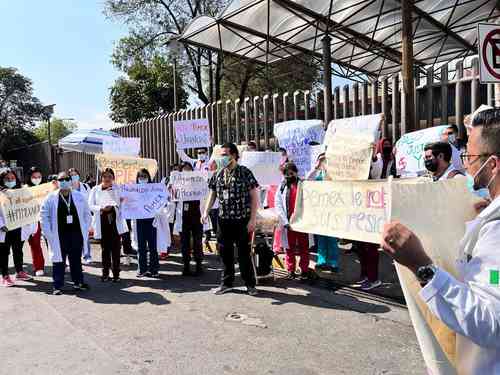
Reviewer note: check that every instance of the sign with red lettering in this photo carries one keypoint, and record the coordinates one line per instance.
(489, 52)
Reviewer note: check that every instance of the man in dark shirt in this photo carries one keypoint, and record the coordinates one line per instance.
(236, 188)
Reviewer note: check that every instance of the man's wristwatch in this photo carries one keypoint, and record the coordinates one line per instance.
(426, 273)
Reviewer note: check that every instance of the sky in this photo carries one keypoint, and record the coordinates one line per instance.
(64, 47)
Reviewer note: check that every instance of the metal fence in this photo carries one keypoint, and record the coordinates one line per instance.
(443, 96)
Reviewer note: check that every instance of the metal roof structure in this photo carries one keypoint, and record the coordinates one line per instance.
(365, 34)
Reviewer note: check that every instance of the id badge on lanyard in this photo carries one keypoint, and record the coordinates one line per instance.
(69, 219)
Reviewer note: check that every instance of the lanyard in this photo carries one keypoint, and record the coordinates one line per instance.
(67, 202)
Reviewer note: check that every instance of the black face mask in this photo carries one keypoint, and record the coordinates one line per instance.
(387, 151)
(431, 165)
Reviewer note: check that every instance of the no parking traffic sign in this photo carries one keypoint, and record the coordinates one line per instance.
(489, 52)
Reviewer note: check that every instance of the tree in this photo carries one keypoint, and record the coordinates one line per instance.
(152, 24)
(146, 92)
(58, 129)
(19, 109)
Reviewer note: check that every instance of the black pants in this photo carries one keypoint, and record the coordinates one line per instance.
(110, 246)
(127, 240)
(231, 232)
(71, 248)
(214, 218)
(191, 228)
(12, 240)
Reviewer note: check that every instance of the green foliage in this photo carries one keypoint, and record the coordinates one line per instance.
(58, 129)
(19, 109)
(147, 91)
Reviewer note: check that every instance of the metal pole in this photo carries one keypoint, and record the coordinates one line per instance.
(49, 138)
(210, 77)
(407, 67)
(327, 77)
(175, 85)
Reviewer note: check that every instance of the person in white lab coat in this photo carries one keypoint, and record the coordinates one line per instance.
(65, 222)
(469, 304)
(12, 238)
(108, 223)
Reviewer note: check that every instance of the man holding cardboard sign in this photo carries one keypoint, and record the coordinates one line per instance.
(469, 304)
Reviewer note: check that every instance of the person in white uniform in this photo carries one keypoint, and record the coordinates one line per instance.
(437, 159)
(469, 304)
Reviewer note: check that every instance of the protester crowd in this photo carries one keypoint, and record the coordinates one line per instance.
(468, 303)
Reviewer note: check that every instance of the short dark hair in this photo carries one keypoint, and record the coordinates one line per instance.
(202, 149)
(252, 143)
(233, 150)
(143, 171)
(489, 120)
(440, 148)
(186, 164)
(453, 127)
(281, 149)
(108, 171)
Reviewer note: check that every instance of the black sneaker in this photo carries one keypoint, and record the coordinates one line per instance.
(116, 279)
(104, 279)
(155, 275)
(142, 275)
(57, 292)
(81, 286)
(222, 289)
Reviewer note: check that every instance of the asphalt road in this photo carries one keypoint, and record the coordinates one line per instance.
(177, 326)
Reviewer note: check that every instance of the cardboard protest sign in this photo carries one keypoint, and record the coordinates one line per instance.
(21, 207)
(410, 150)
(264, 165)
(295, 136)
(142, 201)
(355, 210)
(189, 186)
(125, 167)
(315, 152)
(121, 146)
(349, 156)
(443, 209)
(368, 125)
(192, 133)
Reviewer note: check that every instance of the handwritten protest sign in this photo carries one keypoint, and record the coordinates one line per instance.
(192, 133)
(368, 125)
(443, 209)
(121, 146)
(349, 156)
(264, 165)
(410, 150)
(189, 186)
(295, 136)
(142, 201)
(22, 206)
(315, 152)
(355, 210)
(125, 167)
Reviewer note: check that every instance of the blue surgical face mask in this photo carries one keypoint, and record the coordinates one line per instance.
(143, 181)
(481, 193)
(224, 161)
(75, 178)
(10, 184)
(64, 185)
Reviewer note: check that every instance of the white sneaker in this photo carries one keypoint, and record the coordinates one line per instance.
(87, 261)
(126, 261)
(39, 273)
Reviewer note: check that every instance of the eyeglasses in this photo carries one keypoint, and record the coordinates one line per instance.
(466, 157)
(64, 179)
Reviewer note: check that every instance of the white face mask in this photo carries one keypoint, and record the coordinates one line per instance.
(10, 184)
(143, 181)
(36, 181)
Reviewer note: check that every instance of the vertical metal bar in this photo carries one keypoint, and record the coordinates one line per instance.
(256, 120)
(364, 99)
(444, 94)
(285, 106)
(327, 76)
(396, 102)
(237, 117)
(228, 120)
(474, 86)
(374, 97)
(275, 117)
(265, 103)
(219, 121)
(246, 111)
(307, 103)
(430, 98)
(355, 100)
(459, 100)
(346, 102)
(385, 108)
(296, 104)
(317, 98)
(336, 102)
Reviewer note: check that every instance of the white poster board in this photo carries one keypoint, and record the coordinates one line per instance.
(410, 150)
(264, 165)
(189, 186)
(295, 136)
(192, 133)
(349, 156)
(121, 146)
(142, 201)
(368, 125)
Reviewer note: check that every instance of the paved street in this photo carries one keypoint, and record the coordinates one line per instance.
(177, 326)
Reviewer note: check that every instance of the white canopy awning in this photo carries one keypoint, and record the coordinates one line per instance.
(365, 34)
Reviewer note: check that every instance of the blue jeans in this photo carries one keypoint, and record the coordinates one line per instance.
(328, 251)
(146, 240)
(71, 248)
